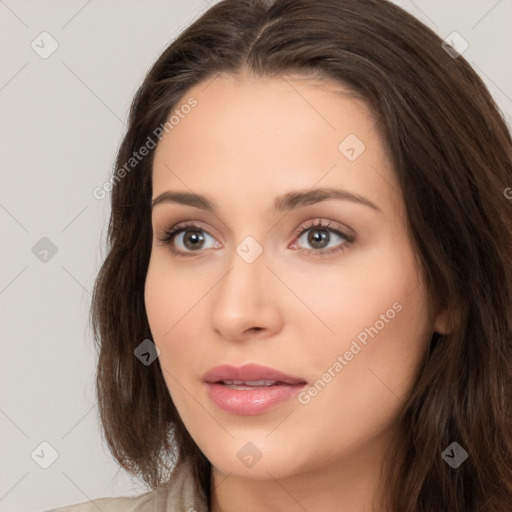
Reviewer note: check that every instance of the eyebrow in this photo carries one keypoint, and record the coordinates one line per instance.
(284, 203)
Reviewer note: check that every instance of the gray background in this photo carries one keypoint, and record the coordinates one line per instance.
(62, 120)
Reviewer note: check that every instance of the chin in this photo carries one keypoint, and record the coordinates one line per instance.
(259, 460)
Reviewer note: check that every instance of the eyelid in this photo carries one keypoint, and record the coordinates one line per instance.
(186, 224)
(176, 229)
(328, 225)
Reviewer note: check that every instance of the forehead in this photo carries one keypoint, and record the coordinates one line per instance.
(256, 135)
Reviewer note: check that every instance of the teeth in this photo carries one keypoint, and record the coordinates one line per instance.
(250, 382)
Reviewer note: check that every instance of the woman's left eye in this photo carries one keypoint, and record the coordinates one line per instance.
(323, 238)
(320, 238)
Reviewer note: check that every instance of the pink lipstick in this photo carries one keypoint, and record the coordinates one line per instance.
(250, 389)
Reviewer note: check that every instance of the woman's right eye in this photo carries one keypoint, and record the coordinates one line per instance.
(190, 238)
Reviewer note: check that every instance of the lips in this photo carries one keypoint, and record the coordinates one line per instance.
(250, 374)
(250, 389)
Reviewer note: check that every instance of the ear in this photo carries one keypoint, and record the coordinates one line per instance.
(442, 322)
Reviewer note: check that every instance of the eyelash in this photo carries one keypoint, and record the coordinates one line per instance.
(304, 228)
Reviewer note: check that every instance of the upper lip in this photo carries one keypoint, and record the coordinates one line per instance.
(248, 372)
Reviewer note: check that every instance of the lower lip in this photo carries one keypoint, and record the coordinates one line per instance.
(251, 401)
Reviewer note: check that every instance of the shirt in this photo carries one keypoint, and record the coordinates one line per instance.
(177, 495)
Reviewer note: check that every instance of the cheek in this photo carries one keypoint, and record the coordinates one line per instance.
(382, 327)
(366, 292)
(169, 294)
(173, 300)
(157, 300)
(375, 306)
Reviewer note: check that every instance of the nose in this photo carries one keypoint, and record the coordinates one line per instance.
(246, 301)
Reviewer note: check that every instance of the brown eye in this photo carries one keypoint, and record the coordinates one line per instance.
(192, 239)
(318, 238)
(188, 239)
(322, 239)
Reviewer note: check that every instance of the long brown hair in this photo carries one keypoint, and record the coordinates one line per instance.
(452, 155)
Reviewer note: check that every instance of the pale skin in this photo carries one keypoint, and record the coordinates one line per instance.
(248, 141)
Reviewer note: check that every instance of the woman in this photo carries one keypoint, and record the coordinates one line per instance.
(306, 303)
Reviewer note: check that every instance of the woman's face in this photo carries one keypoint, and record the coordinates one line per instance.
(341, 307)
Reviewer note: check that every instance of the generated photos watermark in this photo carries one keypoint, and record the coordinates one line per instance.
(343, 360)
(143, 151)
